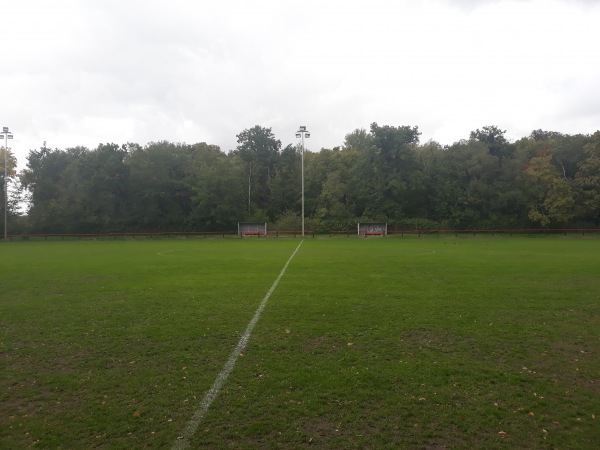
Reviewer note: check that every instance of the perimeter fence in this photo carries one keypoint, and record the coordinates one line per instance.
(298, 233)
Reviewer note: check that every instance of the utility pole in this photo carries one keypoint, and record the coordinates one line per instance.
(7, 135)
(302, 133)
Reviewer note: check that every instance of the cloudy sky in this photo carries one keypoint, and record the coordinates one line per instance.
(77, 72)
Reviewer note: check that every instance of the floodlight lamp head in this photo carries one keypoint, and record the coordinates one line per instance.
(298, 135)
(302, 128)
(307, 134)
(5, 129)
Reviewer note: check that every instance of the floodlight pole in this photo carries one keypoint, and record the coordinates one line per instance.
(7, 135)
(302, 133)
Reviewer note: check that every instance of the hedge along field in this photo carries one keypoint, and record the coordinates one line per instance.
(365, 343)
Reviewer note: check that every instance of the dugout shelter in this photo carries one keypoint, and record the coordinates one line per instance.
(372, 229)
(252, 229)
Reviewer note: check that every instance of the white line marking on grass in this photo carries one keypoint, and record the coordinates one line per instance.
(183, 441)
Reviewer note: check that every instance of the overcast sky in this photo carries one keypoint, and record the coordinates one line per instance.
(75, 72)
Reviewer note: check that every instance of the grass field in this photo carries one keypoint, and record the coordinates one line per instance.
(431, 343)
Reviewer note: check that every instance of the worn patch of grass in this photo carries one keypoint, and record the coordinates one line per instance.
(366, 343)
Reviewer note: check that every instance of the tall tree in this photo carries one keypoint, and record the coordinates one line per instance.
(333, 202)
(554, 203)
(395, 161)
(160, 187)
(587, 181)
(258, 150)
(464, 184)
(9, 198)
(218, 187)
(365, 177)
(44, 178)
(104, 184)
(287, 183)
(394, 143)
(496, 143)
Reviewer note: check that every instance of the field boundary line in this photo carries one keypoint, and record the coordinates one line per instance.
(183, 441)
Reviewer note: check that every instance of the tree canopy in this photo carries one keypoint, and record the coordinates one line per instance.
(546, 179)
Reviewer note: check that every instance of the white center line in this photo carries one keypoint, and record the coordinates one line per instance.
(183, 441)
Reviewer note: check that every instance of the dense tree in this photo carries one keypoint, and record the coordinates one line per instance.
(15, 200)
(286, 184)
(218, 190)
(161, 190)
(385, 162)
(494, 140)
(6, 155)
(366, 180)
(588, 181)
(466, 185)
(258, 150)
(383, 174)
(394, 143)
(49, 209)
(554, 202)
(104, 185)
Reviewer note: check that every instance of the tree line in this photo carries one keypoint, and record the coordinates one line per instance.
(384, 174)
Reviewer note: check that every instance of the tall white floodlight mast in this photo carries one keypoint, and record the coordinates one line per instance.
(302, 133)
(7, 135)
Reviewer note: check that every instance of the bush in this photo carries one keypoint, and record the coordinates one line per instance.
(288, 221)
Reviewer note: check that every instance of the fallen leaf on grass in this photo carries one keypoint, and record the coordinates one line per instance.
(137, 414)
(288, 331)
(502, 433)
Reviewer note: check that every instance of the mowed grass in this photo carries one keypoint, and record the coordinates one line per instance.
(366, 343)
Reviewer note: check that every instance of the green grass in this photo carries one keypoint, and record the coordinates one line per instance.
(366, 343)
